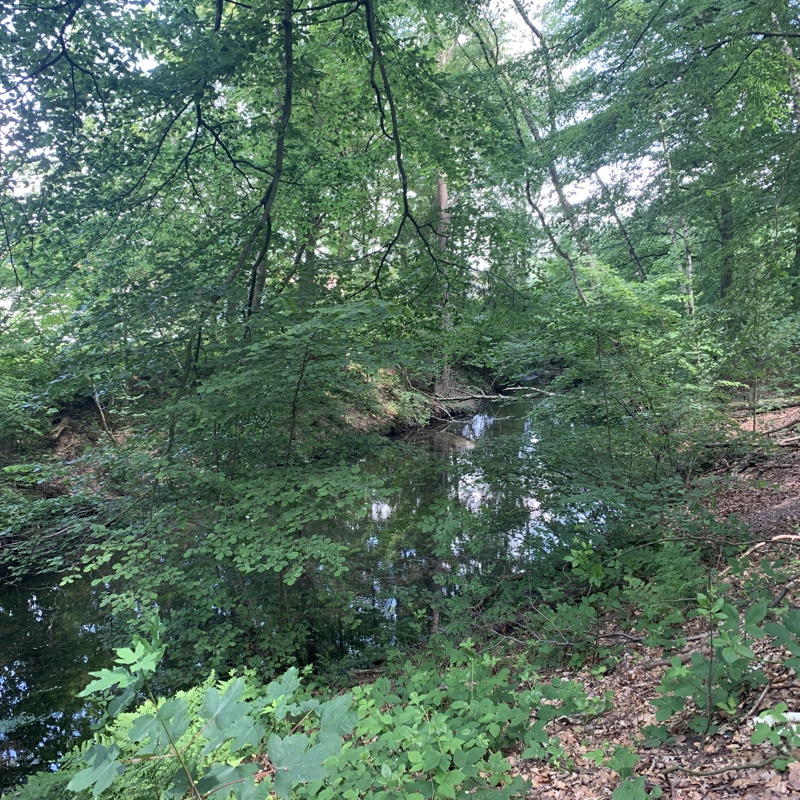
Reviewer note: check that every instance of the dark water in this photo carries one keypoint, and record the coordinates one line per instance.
(48, 643)
(459, 502)
(50, 637)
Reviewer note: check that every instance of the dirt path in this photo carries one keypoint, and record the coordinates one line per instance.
(766, 493)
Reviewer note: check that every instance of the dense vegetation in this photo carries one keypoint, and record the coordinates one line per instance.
(243, 241)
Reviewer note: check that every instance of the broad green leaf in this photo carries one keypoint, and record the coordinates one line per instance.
(295, 762)
(755, 614)
(104, 770)
(791, 619)
(225, 775)
(630, 789)
(337, 717)
(286, 686)
(106, 679)
(243, 733)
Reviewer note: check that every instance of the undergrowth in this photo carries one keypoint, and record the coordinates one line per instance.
(444, 723)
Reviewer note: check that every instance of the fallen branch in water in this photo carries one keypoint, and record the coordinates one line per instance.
(465, 397)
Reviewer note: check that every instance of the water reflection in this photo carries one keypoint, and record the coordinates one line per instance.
(48, 644)
(458, 501)
(479, 479)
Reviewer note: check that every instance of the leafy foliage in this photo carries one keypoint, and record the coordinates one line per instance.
(713, 683)
(430, 733)
(239, 241)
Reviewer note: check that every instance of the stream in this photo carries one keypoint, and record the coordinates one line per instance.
(51, 636)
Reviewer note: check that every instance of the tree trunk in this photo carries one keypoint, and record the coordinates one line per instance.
(794, 76)
(444, 383)
(688, 268)
(726, 233)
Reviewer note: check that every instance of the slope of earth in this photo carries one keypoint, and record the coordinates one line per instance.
(763, 490)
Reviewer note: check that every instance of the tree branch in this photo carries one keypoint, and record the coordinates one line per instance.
(267, 202)
(556, 246)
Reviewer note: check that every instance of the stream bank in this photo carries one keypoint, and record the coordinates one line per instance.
(53, 636)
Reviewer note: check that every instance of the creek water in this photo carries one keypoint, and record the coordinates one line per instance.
(52, 636)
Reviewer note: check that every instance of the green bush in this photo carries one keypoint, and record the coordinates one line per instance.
(429, 732)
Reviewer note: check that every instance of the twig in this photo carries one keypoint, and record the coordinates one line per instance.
(683, 657)
(786, 685)
(461, 398)
(791, 424)
(530, 389)
(754, 708)
(778, 599)
(620, 634)
(703, 773)
(103, 420)
(750, 551)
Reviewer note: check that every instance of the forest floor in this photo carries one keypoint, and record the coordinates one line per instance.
(763, 490)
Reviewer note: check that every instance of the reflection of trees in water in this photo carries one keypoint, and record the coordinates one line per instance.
(450, 509)
(49, 646)
(447, 508)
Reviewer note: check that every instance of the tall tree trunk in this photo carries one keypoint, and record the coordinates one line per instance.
(443, 204)
(793, 76)
(443, 386)
(726, 234)
(622, 229)
(307, 264)
(688, 262)
(444, 383)
(687, 286)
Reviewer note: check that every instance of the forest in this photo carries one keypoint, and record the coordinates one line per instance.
(399, 399)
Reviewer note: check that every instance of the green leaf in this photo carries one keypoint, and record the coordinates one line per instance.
(791, 619)
(430, 759)
(143, 728)
(122, 700)
(295, 762)
(245, 732)
(336, 717)
(630, 789)
(224, 710)
(445, 790)
(222, 775)
(104, 770)
(108, 678)
(761, 733)
(755, 613)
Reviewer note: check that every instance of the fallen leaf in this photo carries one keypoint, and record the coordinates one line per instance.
(793, 776)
